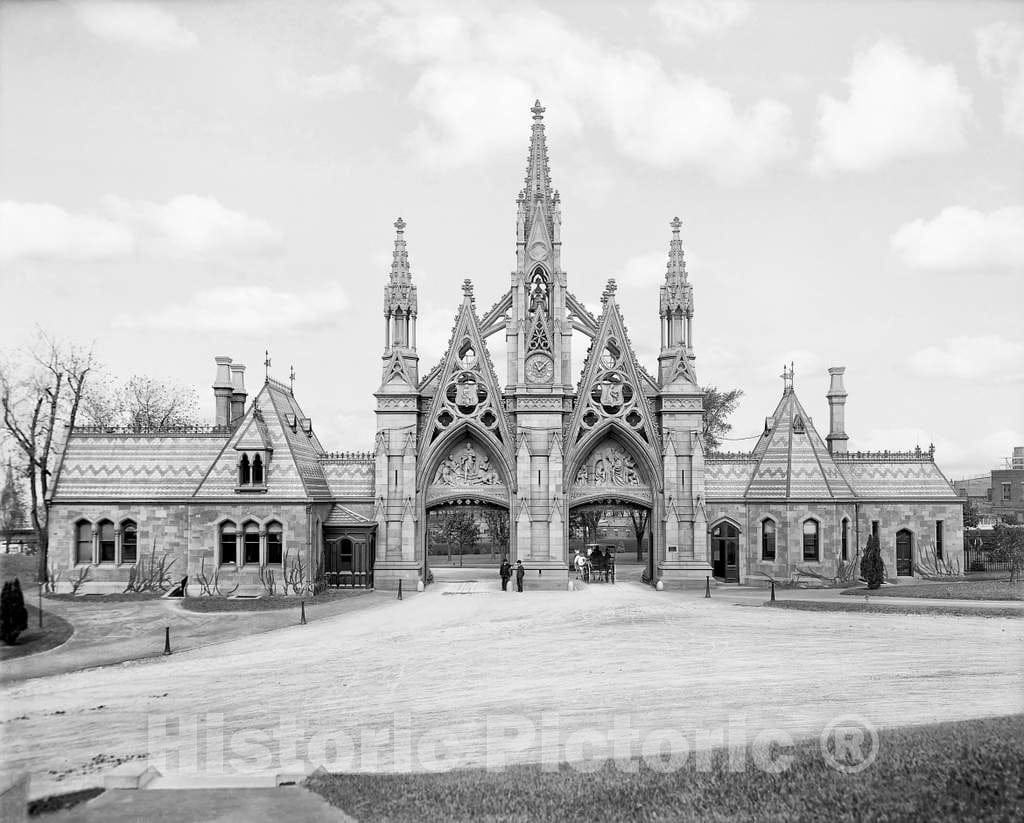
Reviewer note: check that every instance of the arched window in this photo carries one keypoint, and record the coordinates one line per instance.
(228, 543)
(107, 542)
(244, 472)
(257, 471)
(811, 540)
(129, 542)
(845, 537)
(251, 544)
(767, 539)
(275, 543)
(83, 542)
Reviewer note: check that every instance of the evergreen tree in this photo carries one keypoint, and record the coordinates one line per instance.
(12, 508)
(872, 568)
(13, 614)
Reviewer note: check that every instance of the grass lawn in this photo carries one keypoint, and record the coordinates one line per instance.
(875, 607)
(204, 605)
(952, 590)
(950, 771)
(22, 566)
(54, 632)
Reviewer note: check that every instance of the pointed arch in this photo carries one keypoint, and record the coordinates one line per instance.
(466, 431)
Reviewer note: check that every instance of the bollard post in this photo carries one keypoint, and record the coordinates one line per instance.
(707, 586)
(773, 591)
(167, 640)
(302, 607)
(399, 588)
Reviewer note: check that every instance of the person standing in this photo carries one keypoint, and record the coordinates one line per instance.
(506, 573)
(520, 574)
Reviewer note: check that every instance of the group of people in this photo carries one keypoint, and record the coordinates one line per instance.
(593, 564)
(505, 572)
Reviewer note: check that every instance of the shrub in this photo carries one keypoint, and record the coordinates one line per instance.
(872, 569)
(13, 614)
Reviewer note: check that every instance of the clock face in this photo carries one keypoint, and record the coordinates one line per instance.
(539, 369)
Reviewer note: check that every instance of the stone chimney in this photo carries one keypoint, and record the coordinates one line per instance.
(222, 390)
(238, 394)
(836, 396)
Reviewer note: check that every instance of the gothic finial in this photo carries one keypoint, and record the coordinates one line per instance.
(676, 225)
(266, 364)
(291, 379)
(400, 225)
(467, 288)
(538, 111)
(787, 377)
(611, 287)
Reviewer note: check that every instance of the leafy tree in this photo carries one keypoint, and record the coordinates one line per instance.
(1009, 541)
(141, 403)
(38, 399)
(585, 522)
(460, 529)
(872, 567)
(498, 526)
(12, 507)
(718, 406)
(13, 614)
(639, 518)
(970, 514)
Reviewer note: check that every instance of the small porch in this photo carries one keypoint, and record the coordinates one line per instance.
(350, 548)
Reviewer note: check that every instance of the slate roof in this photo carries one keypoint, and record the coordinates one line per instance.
(349, 477)
(350, 515)
(199, 463)
(791, 462)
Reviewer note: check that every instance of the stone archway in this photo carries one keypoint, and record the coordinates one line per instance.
(614, 484)
(465, 482)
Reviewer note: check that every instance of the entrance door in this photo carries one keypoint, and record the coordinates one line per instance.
(348, 563)
(725, 550)
(904, 553)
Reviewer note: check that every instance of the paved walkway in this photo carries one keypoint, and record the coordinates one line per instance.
(466, 675)
(111, 633)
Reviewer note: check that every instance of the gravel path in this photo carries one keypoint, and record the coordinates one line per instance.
(465, 675)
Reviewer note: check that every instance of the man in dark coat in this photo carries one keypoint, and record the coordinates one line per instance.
(520, 574)
(506, 574)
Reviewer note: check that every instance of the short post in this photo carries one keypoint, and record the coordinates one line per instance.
(302, 612)
(773, 591)
(167, 640)
(707, 586)
(399, 588)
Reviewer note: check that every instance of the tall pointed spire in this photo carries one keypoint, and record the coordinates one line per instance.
(400, 309)
(676, 293)
(400, 293)
(537, 201)
(676, 312)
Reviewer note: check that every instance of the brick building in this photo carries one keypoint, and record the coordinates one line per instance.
(257, 491)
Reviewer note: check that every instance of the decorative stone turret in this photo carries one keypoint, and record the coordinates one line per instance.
(222, 391)
(676, 309)
(400, 310)
(836, 396)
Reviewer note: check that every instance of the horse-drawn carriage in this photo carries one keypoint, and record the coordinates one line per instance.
(597, 565)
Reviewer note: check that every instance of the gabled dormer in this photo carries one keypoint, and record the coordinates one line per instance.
(254, 450)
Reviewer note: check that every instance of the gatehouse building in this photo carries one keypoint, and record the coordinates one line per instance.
(257, 497)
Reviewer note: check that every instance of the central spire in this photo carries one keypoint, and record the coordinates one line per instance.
(538, 175)
(538, 203)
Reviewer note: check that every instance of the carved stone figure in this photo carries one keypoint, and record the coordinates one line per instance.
(466, 469)
(608, 466)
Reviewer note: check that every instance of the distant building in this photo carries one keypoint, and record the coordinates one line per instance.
(1008, 490)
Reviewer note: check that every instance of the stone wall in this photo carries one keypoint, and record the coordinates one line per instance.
(186, 533)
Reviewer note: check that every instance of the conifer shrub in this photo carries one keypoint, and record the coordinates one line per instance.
(13, 614)
(872, 568)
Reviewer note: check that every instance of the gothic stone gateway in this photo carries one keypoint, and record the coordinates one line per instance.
(258, 491)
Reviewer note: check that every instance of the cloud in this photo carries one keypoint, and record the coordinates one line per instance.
(479, 68)
(187, 226)
(191, 225)
(244, 310)
(962, 239)
(42, 231)
(688, 20)
(644, 270)
(986, 358)
(347, 80)
(136, 23)
(1001, 58)
(898, 107)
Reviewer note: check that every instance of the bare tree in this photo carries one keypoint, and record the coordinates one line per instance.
(141, 403)
(460, 529)
(12, 507)
(639, 518)
(38, 401)
(718, 405)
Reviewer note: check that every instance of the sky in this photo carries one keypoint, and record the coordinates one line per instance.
(183, 180)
